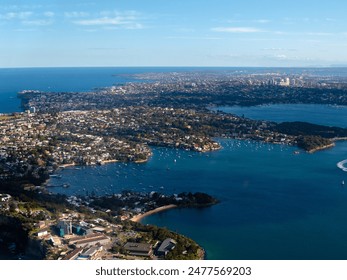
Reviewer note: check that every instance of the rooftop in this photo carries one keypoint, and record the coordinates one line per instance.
(167, 245)
(137, 247)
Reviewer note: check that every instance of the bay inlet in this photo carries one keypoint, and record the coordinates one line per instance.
(275, 204)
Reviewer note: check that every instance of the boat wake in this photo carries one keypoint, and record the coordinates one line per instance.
(342, 164)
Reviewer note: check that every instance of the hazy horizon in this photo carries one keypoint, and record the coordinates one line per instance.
(188, 66)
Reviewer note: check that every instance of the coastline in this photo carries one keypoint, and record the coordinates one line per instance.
(67, 165)
(340, 139)
(98, 163)
(139, 217)
(109, 161)
(141, 161)
(321, 148)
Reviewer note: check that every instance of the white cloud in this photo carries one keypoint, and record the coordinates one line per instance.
(279, 49)
(237, 29)
(117, 13)
(192, 38)
(103, 21)
(15, 15)
(48, 14)
(28, 18)
(113, 20)
(264, 60)
(124, 26)
(262, 20)
(76, 14)
(280, 56)
(319, 34)
(37, 22)
(135, 26)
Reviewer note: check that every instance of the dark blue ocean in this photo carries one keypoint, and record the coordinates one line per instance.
(15, 80)
(275, 204)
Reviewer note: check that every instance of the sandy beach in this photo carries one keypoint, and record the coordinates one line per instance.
(67, 165)
(321, 148)
(109, 161)
(139, 217)
(141, 161)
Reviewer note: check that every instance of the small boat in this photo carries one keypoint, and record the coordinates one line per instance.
(343, 183)
(55, 176)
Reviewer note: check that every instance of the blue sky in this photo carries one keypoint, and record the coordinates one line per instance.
(40, 33)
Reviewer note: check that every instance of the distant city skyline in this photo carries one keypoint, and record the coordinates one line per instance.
(268, 33)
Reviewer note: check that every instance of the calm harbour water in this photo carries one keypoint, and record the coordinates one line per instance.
(313, 113)
(274, 204)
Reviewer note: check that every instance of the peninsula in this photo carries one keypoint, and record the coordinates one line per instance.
(34, 145)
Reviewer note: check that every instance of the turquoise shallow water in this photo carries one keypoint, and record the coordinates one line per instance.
(274, 204)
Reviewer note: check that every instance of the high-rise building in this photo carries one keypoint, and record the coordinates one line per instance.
(285, 82)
